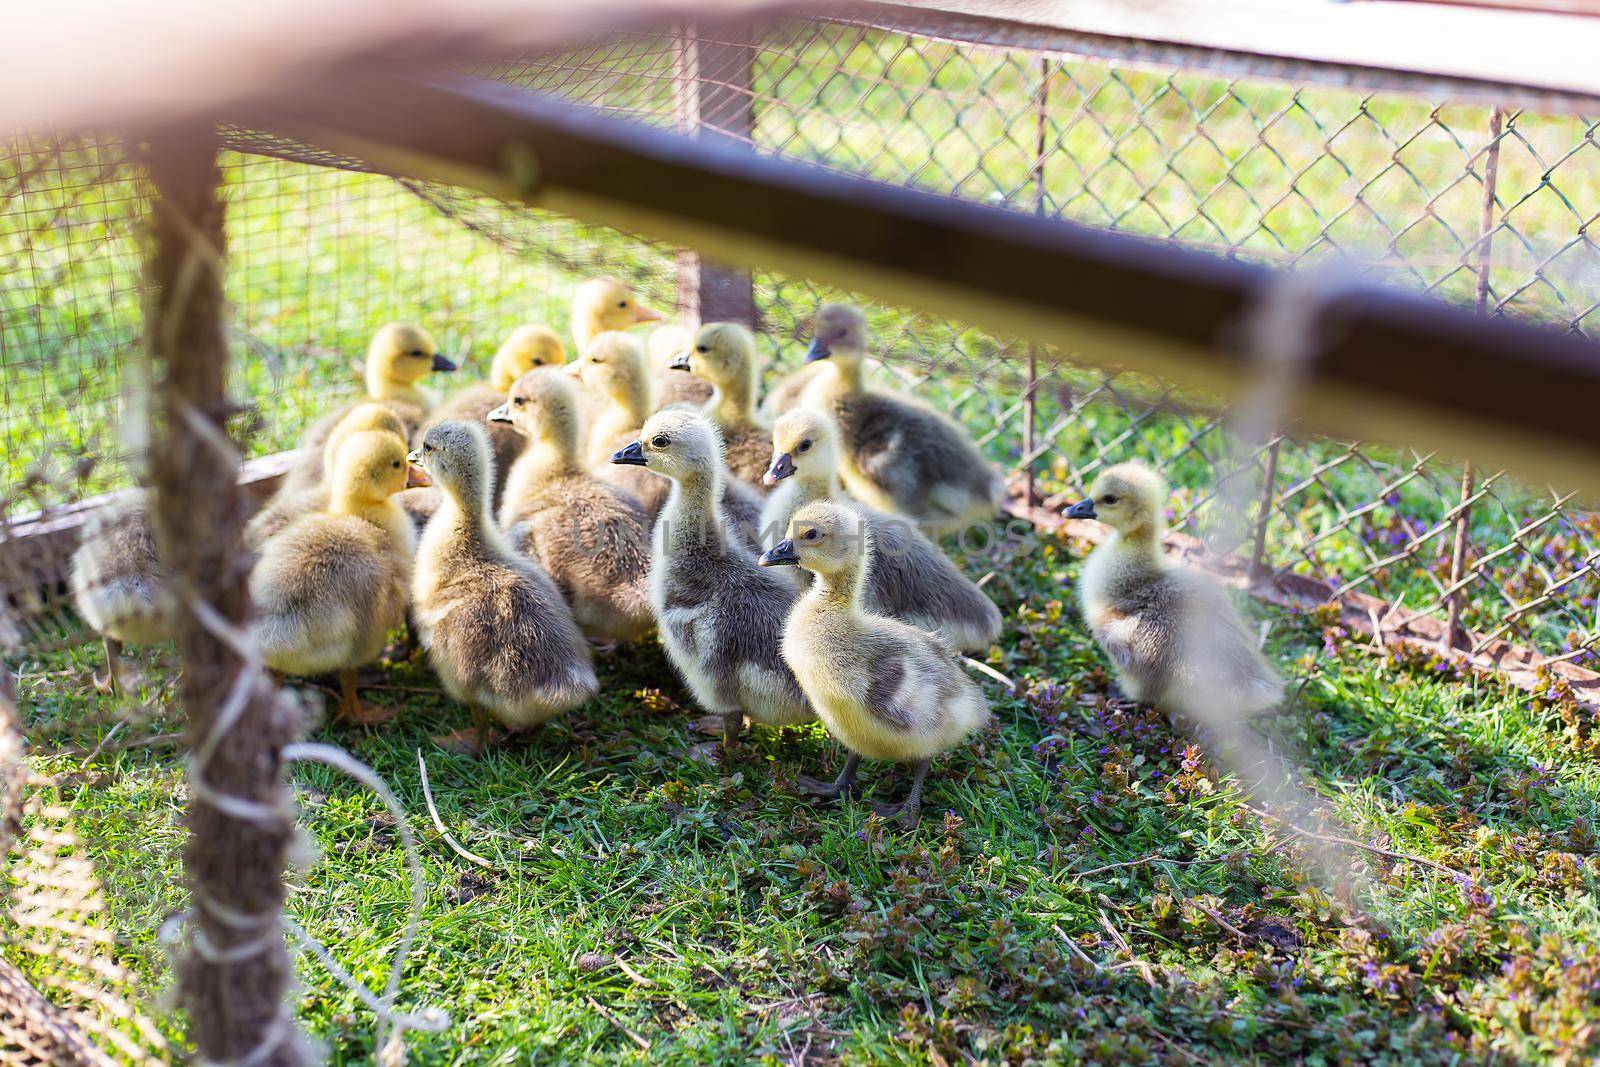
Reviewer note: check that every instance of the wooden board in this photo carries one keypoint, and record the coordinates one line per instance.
(1438, 49)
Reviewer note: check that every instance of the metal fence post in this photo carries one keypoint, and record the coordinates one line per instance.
(713, 80)
(236, 971)
(1030, 410)
(1455, 634)
(1269, 477)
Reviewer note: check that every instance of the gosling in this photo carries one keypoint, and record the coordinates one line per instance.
(1174, 638)
(720, 616)
(293, 500)
(330, 586)
(615, 364)
(119, 584)
(524, 349)
(399, 357)
(593, 538)
(493, 624)
(884, 689)
(910, 579)
(724, 354)
(899, 454)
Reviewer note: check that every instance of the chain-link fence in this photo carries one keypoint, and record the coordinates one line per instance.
(1484, 206)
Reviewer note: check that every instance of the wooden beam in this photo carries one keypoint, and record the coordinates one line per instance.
(1445, 50)
(1383, 363)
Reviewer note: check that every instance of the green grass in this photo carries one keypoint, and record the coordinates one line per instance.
(761, 925)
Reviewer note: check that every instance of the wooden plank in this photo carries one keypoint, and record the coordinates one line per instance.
(1382, 363)
(1524, 57)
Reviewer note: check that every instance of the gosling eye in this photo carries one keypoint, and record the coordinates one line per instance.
(702, 349)
(805, 446)
(660, 440)
(812, 535)
(518, 401)
(395, 464)
(426, 447)
(1109, 499)
(622, 303)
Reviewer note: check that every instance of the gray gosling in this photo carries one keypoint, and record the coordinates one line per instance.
(720, 615)
(526, 348)
(884, 689)
(494, 625)
(399, 357)
(910, 578)
(1174, 638)
(615, 364)
(119, 584)
(899, 454)
(724, 354)
(330, 586)
(592, 537)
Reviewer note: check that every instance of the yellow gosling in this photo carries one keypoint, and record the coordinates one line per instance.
(884, 689)
(330, 586)
(1174, 638)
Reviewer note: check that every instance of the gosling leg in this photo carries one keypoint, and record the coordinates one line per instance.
(111, 681)
(909, 811)
(351, 711)
(471, 742)
(732, 727)
(841, 786)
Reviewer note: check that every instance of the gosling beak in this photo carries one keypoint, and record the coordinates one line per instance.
(782, 467)
(680, 361)
(781, 554)
(645, 313)
(443, 363)
(500, 414)
(416, 477)
(574, 368)
(819, 350)
(1083, 509)
(633, 455)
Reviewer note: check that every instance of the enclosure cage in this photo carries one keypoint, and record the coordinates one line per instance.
(1426, 182)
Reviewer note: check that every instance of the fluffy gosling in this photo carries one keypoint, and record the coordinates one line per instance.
(910, 578)
(720, 615)
(884, 689)
(899, 454)
(493, 624)
(724, 354)
(119, 584)
(593, 538)
(1174, 638)
(330, 586)
(399, 357)
(524, 349)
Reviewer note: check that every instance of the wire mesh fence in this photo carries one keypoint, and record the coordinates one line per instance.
(1480, 205)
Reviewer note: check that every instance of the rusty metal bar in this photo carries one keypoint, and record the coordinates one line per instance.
(1454, 632)
(1392, 365)
(235, 976)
